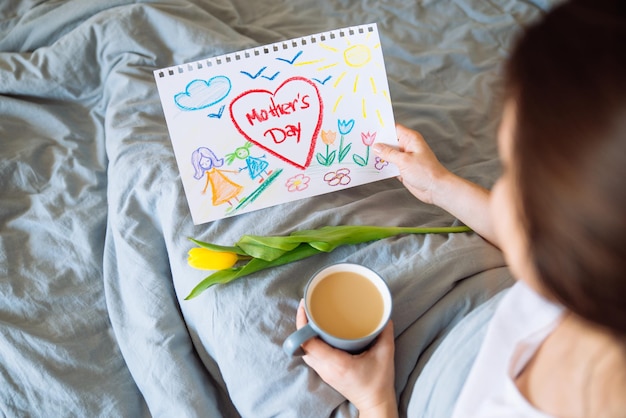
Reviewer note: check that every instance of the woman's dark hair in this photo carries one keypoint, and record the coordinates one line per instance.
(567, 78)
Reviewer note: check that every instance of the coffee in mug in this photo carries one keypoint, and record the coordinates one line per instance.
(347, 306)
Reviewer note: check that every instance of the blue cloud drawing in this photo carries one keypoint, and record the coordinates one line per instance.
(200, 94)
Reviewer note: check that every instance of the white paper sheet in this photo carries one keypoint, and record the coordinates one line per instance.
(279, 122)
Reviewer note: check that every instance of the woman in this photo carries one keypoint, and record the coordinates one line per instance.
(223, 189)
(556, 345)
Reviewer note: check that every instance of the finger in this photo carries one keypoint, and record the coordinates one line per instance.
(317, 348)
(408, 139)
(405, 135)
(403, 130)
(383, 347)
(301, 319)
(314, 347)
(318, 354)
(386, 338)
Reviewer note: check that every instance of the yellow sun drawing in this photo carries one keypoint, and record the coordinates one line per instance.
(353, 74)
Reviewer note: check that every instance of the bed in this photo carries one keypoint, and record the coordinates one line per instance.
(94, 224)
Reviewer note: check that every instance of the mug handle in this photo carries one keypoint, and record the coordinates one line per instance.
(292, 344)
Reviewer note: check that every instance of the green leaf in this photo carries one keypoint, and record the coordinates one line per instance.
(298, 253)
(222, 276)
(331, 157)
(266, 248)
(320, 158)
(219, 248)
(328, 238)
(359, 160)
(344, 151)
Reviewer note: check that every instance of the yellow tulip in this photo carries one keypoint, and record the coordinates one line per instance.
(205, 259)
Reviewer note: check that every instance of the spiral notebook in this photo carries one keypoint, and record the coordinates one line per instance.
(279, 122)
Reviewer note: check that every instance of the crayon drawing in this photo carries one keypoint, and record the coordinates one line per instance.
(291, 60)
(354, 73)
(279, 122)
(284, 122)
(257, 166)
(206, 164)
(368, 140)
(297, 183)
(339, 177)
(200, 94)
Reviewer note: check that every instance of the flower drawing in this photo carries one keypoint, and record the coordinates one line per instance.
(339, 177)
(379, 164)
(368, 139)
(328, 138)
(344, 127)
(297, 183)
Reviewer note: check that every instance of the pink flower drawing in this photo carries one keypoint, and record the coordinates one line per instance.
(297, 183)
(368, 138)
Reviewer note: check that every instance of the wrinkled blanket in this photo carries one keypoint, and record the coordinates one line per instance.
(94, 222)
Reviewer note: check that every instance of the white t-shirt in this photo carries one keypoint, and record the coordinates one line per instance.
(520, 324)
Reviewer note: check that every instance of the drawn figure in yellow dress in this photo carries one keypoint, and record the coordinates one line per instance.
(223, 189)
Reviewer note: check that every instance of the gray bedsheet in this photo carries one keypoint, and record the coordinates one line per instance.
(94, 223)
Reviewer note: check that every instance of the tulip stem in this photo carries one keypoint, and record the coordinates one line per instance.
(343, 151)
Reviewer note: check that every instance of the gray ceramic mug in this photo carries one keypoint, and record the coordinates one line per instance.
(347, 306)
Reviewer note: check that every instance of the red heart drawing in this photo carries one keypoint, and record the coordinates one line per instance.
(285, 123)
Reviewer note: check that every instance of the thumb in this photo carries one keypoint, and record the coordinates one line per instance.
(301, 319)
(386, 152)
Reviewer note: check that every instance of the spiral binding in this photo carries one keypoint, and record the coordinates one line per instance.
(265, 49)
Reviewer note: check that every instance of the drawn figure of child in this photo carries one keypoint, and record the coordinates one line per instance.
(257, 167)
(223, 189)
